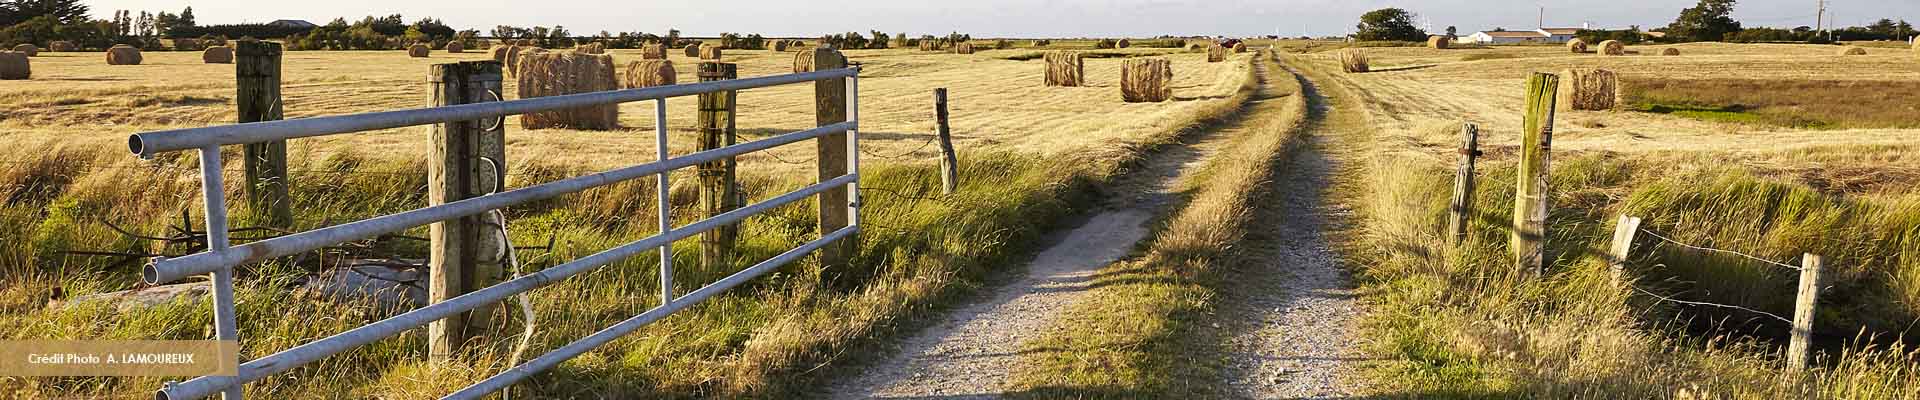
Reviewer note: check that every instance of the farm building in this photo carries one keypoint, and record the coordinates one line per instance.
(1542, 35)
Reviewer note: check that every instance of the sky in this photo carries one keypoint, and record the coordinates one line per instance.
(1013, 18)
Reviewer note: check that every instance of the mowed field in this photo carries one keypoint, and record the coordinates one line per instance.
(1030, 157)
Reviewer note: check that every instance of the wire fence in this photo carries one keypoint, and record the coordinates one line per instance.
(1670, 299)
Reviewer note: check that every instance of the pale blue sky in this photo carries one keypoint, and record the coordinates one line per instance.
(990, 18)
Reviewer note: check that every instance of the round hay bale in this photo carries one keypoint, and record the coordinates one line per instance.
(27, 49)
(693, 50)
(1916, 47)
(1065, 68)
(649, 73)
(1576, 45)
(963, 48)
(213, 41)
(1146, 80)
(122, 54)
(513, 57)
(1853, 51)
(15, 66)
(1613, 48)
(559, 73)
(709, 52)
(592, 48)
(1042, 43)
(1590, 89)
(1439, 42)
(779, 46)
(803, 60)
(217, 55)
(1240, 47)
(456, 47)
(1353, 61)
(417, 51)
(62, 46)
(1216, 53)
(654, 51)
(1195, 48)
(187, 45)
(499, 53)
(1123, 43)
(1669, 51)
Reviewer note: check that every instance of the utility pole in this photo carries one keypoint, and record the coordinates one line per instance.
(1820, 18)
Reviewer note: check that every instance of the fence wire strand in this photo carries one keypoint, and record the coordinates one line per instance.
(1700, 303)
(1678, 243)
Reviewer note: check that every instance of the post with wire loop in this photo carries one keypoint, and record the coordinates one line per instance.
(1530, 191)
(719, 192)
(838, 154)
(1624, 231)
(949, 164)
(1462, 208)
(257, 82)
(1800, 348)
(468, 160)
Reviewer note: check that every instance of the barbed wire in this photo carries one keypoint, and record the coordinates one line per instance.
(1702, 303)
(909, 153)
(1678, 243)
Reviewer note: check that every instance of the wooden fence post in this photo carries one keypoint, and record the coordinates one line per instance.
(257, 76)
(1624, 231)
(1800, 349)
(830, 107)
(949, 164)
(1530, 192)
(1462, 208)
(468, 160)
(718, 193)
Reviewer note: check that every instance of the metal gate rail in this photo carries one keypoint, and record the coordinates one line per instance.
(221, 257)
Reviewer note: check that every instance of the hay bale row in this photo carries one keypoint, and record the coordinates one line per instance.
(1613, 48)
(63, 46)
(929, 45)
(27, 49)
(692, 50)
(122, 54)
(709, 52)
(15, 66)
(1439, 42)
(1853, 51)
(1577, 46)
(1146, 80)
(592, 48)
(1591, 89)
(649, 73)
(963, 48)
(1353, 61)
(1065, 68)
(217, 55)
(558, 73)
(455, 47)
(653, 52)
(418, 50)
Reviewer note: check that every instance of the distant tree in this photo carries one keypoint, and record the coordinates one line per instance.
(1388, 24)
(1453, 32)
(186, 18)
(61, 12)
(1711, 20)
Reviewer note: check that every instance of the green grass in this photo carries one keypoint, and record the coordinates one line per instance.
(1809, 104)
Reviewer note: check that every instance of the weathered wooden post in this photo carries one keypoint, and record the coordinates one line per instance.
(830, 107)
(257, 77)
(1462, 208)
(949, 164)
(1530, 191)
(1624, 231)
(1800, 349)
(468, 160)
(718, 193)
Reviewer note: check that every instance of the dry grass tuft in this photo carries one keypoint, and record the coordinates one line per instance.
(1670, 51)
(418, 50)
(1613, 48)
(217, 55)
(1146, 80)
(1577, 46)
(122, 54)
(1591, 89)
(709, 52)
(62, 46)
(15, 66)
(455, 47)
(1216, 53)
(1853, 51)
(1065, 68)
(649, 73)
(561, 73)
(1353, 61)
(1439, 42)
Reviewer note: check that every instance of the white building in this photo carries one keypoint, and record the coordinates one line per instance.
(1542, 35)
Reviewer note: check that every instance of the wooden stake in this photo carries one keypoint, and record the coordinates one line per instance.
(1624, 231)
(718, 191)
(1800, 349)
(1530, 191)
(830, 107)
(468, 160)
(257, 77)
(949, 164)
(1462, 208)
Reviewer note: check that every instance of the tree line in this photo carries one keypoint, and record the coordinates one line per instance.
(1706, 21)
